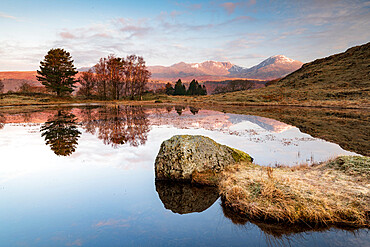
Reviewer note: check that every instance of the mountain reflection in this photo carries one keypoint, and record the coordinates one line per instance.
(184, 198)
(61, 133)
(117, 125)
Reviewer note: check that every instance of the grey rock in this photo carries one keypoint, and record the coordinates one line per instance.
(182, 155)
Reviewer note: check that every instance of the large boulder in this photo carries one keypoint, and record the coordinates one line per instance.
(183, 156)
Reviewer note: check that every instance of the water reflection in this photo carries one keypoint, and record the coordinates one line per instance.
(271, 142)
(184, 198)
(179, 109)
(61, 133)
(194, 110)
(117, 125)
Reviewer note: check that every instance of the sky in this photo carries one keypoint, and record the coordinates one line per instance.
(166, 32)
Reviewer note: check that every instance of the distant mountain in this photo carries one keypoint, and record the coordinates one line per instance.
(83, 69)
(180, 70)
(274, 67)
(14, 79)
(271, 68)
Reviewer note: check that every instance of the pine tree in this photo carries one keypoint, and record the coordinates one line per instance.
(179, 88)
(57, 72)
(169, 89)
(192, 90)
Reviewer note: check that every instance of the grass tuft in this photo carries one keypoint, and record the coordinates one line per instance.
(335, 192)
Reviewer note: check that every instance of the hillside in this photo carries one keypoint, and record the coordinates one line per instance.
(347, 70)
(14, 79)
(341, 79)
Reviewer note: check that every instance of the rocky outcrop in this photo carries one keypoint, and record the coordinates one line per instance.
(182, 156)
(185, 198)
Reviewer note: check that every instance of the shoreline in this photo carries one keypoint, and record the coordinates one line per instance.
(17, 99)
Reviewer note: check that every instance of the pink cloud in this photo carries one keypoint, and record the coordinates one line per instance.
(229, 7)
(67, 35)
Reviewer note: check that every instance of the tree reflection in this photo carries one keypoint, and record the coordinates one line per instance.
(117, 125)
(194, 110)
(179, 109)
(61, 133)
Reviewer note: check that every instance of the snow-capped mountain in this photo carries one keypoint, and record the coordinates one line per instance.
(178, 70)
(271, 68)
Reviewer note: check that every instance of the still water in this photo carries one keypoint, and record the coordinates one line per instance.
(84, 176)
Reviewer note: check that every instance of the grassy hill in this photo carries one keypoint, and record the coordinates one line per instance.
(339, 80)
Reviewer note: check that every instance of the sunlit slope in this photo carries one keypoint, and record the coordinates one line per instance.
(328, 81)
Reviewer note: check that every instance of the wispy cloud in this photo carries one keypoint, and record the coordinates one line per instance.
(113, 222)
(3, 15)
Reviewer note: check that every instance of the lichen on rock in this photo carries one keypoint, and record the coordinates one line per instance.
(183, 155)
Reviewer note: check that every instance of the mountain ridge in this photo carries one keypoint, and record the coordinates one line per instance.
(271, 68)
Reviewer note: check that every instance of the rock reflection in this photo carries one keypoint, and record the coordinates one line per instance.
(184, 198)
(117, 125)
(61, 133)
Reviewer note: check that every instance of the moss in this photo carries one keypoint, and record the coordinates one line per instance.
(240, 156)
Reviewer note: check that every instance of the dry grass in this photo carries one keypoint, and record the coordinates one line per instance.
(323, 194)
(28, 99)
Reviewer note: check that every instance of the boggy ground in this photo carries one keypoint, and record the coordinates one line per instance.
(336, 192)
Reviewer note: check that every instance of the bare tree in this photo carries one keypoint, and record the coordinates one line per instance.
(115, 69)
(101, 70)
(136, 75)
(88, 83)
(121, 77)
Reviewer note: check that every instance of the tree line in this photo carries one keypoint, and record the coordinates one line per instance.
(194, 88)
(112, 78)
(233, 86)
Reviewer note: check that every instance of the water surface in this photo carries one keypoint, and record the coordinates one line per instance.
(84, 176)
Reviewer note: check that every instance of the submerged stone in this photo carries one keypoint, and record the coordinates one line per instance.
(183, 155)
